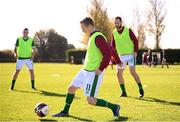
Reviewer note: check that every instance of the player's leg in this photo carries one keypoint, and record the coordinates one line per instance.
(162, 63)
(69, 99)
(32, 79)
(167, 64)
(132, 64)
(103, 103)
(19, 65)
(30, 66)
(15, 75)
(137, 79)
(121, 82)
(75, 85)
(120, 71)
(91, 91)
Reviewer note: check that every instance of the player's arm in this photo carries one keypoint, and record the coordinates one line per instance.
(15, 52)
(15, 49)
(114, 52)
(33, 51)
(135, 41)
(106, 52)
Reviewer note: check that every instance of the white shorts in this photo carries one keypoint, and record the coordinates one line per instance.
(21, 62)
(89, 81)
(127, 59)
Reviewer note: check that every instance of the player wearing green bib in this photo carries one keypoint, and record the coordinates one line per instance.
(24, 52)
(125, 44)
(90, 76)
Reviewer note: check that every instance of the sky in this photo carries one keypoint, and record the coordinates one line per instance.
(64, 16)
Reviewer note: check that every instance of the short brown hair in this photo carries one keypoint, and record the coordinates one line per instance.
(87, 21)
(119, 18)
(25, 29)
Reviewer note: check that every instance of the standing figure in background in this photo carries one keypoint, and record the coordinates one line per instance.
(24, 53)
(164, 59)
(125, 45)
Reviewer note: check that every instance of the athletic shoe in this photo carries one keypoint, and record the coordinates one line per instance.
(11, 89)
(61, 114)
(33, 88)
(124, 94)
(141, 93)
(116, 111)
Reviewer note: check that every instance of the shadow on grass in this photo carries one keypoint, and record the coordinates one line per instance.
(48, 120)
(151, 99)
(36, 92)
(80, 119)
(44, 93)
(121, 118)
(47, 93)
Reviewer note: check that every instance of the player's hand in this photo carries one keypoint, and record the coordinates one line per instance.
(135, 54)
(120, 64)
(15, 57)
(32, 58)
(98, 71)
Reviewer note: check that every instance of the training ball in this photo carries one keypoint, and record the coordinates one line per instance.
(41, 109)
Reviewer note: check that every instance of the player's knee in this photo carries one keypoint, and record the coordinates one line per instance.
(31, 71)
(71, 89)
(91, 100)
(119, 72)
(132, 71)
(16, 72)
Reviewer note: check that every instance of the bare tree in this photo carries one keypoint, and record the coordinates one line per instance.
(100, 17)
(138, 27)
(155, 17)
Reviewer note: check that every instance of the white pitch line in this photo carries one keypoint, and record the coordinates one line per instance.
(55, 75)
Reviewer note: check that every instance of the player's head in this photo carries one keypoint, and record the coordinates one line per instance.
(25, 32)
(87, 25)
(118, 22)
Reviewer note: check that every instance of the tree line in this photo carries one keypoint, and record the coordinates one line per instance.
(153, 24)
(51, 46)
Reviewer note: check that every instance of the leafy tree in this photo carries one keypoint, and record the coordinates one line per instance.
(51, 45)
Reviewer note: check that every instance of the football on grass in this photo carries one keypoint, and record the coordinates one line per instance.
(41, 109)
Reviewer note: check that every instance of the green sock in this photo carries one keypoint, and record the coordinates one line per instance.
(140, 85)
(123, 88)
(69, 99)
(12, 84)
(32, 83)
(104, 103)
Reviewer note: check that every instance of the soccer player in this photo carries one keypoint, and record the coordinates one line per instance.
(163, 60)
(24, 53)
(149, 57)
(90, 76)
(145, 59)
(125, 45)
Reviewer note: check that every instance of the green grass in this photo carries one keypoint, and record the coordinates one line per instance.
(161, 101)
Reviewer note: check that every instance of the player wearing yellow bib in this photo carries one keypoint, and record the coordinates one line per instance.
(24, 52)
(90, 76)
(125, 44)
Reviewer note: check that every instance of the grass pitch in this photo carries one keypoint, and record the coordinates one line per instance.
(161, 101)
